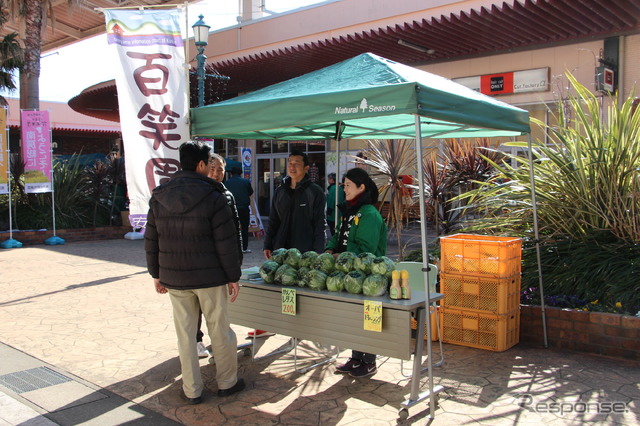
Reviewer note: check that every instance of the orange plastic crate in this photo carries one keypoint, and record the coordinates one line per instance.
(480, 294)
(483, 331)
(480, 255)
(434, 327)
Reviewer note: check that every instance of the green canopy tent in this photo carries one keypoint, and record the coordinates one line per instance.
(365, 97)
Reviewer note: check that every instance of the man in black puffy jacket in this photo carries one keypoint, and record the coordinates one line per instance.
(195, 256)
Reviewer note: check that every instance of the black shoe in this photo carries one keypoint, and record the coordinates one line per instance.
(364, 370)
(348, 366)
(193, 401)
(233, 389)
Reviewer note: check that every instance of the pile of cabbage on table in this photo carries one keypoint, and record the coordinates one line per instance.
(358, 274)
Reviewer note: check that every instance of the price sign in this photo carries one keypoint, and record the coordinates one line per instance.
(372, 315)
(289, 301)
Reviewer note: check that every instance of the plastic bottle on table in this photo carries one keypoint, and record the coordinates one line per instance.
(395, 292)
(404, 284)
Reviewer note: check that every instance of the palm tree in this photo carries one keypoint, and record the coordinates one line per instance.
(34, 15)
(11, 59)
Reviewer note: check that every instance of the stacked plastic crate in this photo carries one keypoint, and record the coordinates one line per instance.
(480, 280)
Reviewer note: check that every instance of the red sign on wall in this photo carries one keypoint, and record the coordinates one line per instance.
(496, 84)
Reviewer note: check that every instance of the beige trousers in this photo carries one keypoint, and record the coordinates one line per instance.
(213, 302)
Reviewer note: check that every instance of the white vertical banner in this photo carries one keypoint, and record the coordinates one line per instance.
(152, 98)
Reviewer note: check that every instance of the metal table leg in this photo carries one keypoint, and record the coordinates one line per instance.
(415, 395)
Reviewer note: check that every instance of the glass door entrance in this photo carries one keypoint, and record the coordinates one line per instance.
(271, 171)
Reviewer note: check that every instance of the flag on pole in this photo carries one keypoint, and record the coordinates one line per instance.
(152, 98)
(4, 153)
(36, 151)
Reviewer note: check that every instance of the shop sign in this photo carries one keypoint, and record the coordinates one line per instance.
(534, 80)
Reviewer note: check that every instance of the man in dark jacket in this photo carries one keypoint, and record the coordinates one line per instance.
(242, 191)
(195, 256)
(297, 217)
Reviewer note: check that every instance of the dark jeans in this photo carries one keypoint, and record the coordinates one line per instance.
(244, 216)
(364, 357)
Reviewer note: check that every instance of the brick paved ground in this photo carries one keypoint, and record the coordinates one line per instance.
(89, 308)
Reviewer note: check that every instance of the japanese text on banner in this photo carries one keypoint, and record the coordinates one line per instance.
(152, 98)
(36, 151)
(4, 158)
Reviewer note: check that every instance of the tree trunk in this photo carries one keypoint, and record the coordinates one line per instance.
(30, 75)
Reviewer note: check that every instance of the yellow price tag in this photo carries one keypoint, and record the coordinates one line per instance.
(372, 315)
(289, 301)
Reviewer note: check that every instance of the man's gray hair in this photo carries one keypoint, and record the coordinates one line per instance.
(217, 157)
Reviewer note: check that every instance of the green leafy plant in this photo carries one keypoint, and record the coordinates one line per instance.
(587, 181)
(457, 169)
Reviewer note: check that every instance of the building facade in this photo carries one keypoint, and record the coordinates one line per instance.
(518, 51)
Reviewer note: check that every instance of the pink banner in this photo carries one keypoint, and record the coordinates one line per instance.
(36, 150)
(4, 157)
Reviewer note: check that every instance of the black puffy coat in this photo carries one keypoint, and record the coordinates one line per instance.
(192, 239)
(297, 217)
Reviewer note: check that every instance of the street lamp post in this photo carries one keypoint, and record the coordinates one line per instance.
(201, 38)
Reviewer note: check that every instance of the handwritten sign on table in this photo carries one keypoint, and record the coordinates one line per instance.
(373, 315)
(289, 301)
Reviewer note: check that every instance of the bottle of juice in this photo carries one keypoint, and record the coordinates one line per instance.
(395, 292)
(404, 284)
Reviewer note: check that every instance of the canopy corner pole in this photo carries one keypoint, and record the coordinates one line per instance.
(338, 138)
(415, 382)
(537, 237)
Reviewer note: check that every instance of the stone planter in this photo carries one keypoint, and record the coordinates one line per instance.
(593, 332)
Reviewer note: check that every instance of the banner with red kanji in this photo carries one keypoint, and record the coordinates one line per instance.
(152, 98)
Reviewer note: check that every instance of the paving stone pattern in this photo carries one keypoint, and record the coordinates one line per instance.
(90, 308)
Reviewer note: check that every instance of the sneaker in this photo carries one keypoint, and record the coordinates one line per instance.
(260, 333)
(348, 366)
(202, 350)
(246, 251)
(364, 370)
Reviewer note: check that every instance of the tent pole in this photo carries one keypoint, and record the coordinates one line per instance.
(415, 381)
(537, 237)
(338, 138)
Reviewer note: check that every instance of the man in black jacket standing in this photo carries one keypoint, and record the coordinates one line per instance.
(195, 256)
(297, 216)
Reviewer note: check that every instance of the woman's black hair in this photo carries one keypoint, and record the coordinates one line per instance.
(361, 177)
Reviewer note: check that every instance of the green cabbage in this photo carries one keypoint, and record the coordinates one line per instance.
(353, 282)
(307, 259)
(344, 262)
(383, 265)
(290, 277)
(363, 262)
(282, 269)
(302, 273)
(293, 257)
(324, 262)
(268, 271)
(374, 285)
(279, 255)
(335, 281)
(316, 280)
